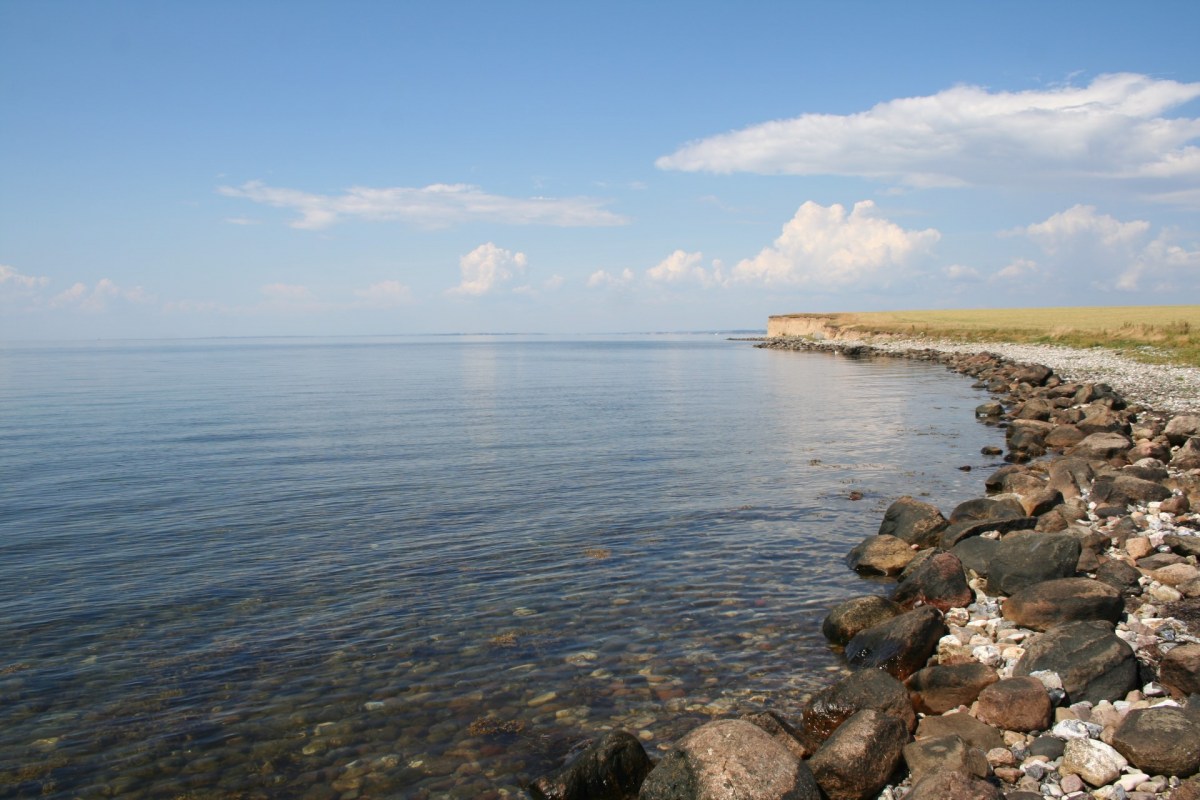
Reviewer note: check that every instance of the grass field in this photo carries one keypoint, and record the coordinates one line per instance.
(1158, 334)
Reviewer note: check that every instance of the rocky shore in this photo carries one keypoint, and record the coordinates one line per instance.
(1039, 641)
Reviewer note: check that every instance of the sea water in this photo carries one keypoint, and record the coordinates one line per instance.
(429, 566)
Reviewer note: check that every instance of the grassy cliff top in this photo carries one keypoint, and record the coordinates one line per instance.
(1158, 334)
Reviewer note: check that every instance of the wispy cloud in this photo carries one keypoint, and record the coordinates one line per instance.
(487, 268)
(603, 278)
(99, 297)
(385, 294)
(828, 248)
(11, 279)
(1114, 128)
(439, 205)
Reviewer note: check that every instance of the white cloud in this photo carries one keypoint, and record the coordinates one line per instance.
(385, 294)
(677, 267)
(602, 277)
(1016, 268)
(959, 272)
(436, 206)
(10, 278)
(98, 297)
(824, 247)
(1113, 254)
(554, 282)
(486, 268)
(1113, 128)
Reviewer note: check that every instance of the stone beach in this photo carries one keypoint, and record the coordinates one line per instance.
(1041, 640)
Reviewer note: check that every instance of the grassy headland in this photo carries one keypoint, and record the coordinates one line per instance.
(1156, 334)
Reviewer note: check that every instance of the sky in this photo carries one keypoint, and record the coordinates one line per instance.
(271, 168)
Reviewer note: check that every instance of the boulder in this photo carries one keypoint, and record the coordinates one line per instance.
(780, 731)
(953, 785)
(941, 687)
(1095, 762)
(1188, 455)
(968, 528)
(972, 731)
(849, 617)
(1033, 374)
(1035, 408)
(1160, 741)
(871, 689)
(1064, 436)
(899, 646)
(611, 769)
(859, 758)
(989, 409)
(1042, 502)
(729, 759)
(975, 553)
(1181, 428)
(1015, 704)
(1049, 603)
(1026, 558)
(1071, 476)
(982, 508)
(1179, 670)
(880, 555)
(939, 582)
(1183, 545)
(999, 480)
(944, 754)
(1124, 490)
(1119, 575)
(1093, 663)
(1102, 446)
(1101, 419)
(913, 521)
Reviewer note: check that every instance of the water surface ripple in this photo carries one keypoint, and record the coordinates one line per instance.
(427, 567)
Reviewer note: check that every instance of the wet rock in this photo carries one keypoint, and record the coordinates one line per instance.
(848, 618)
(1179, 670)
(880, 555)
(900, 646)
(780, 731)
(871, 689)
(1054, 602)
(859, 758)
(960, 531)
(913, 521)
(729, 760)
(975, 553)
(1015, 704)
(1026, 558)
(1102, 446)
(939, 582)
(939, 688)
(1161, 741)
(972, 731)
(944, 754)
(989, 409)
(953, 786)
(1093, 761)
(983, 508)
(999, 481)
(1093, 663)
(611, 769)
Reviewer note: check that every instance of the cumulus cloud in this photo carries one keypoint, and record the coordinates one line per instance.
(960, 272)
(1017, 268)
(1114, 254)
(385, 294)
(98, 297)
(438, 205)
(602, 278)
(677, 267)
(1114, 128)
(825, 247)
(11, 279)
(487, 267)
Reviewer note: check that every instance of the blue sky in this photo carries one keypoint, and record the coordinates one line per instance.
(293, 168)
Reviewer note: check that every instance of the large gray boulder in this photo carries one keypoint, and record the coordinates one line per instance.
(1092, 661)
(941, 687)
(849, 617)
(729, 759)
(914, 521)
(1049, 603)
(1028, 557)
(1160, 741)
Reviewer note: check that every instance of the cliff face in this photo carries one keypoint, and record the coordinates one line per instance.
(815, 326)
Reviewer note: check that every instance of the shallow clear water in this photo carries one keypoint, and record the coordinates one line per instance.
(428, 567)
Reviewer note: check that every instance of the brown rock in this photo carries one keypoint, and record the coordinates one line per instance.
(913, 521)
(972, 731)
(1049, 603)
(1064, 436)
(611, 769)
(1092, 661)
(1179, 670)
(859, 758)
(1015, 704)
(939, 688)
(939, 582)
(953, 786)
(1181, 428)
(780, 731)
(944, 754)
(880, 555)
(1160, 741)
(848, 618)
(1102, 446)
(869, 689)
(900, 646)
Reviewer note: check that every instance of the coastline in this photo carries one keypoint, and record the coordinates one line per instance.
(1104, 459)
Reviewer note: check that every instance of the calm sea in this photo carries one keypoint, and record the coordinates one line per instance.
(428, 567)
